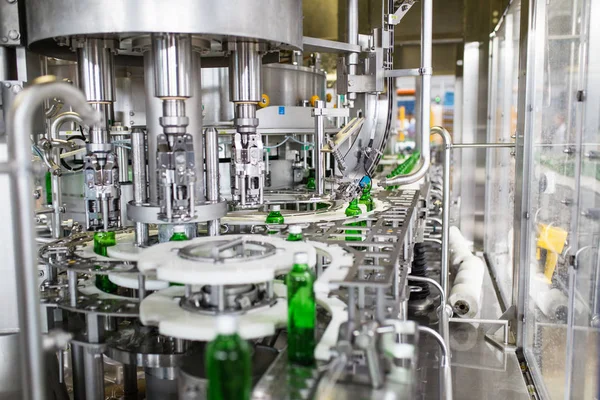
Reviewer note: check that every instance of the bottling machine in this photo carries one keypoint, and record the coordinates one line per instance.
(148, 145)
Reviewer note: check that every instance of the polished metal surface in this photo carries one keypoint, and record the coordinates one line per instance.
(237, 18)
(203, 212)
(172, 54)
(96, 69)
(319, 140)
(245, 63)
(289, 85)
(212, 173)
(140, 184)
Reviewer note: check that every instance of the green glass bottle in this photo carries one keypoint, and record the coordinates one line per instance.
(274, 217)
(310, 184)
(351, 211)
(301, 312)
(103, 240)
(48, 188)
(179, 234)
(366, 198)
(227, 363)
(295, 234)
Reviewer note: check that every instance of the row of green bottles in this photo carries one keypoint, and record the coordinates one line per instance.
(228, 363)
(274, 218)
(301, 312)
(366, 198)
(351, 211)
(405, 167)
(103, 240)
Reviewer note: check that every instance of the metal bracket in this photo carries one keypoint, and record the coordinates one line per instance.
(396, 17)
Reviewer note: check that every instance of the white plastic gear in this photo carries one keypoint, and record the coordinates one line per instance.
(171, 267)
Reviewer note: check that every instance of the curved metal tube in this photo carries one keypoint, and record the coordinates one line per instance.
(68, 116)
(424, 99)
(445, 370)
(20, 129)
(445, 269)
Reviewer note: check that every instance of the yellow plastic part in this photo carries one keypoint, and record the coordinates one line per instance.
(328, 97)
(552, 239)
(264, 101)
(313, 100)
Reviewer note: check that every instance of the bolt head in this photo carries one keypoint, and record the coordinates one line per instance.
(14, 35)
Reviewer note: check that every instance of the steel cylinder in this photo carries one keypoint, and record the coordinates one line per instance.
(245, 65)
(173, 65)
(95, 61)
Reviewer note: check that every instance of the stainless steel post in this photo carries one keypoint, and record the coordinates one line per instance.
(20, 129)
(93, 358)
(319, 139)
(78, 371)
(445, 269)
(352, 39)
(140, 196)
(211, 137)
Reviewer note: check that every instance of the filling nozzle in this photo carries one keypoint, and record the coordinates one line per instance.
(95, 60)
(176, 167)
(247, 158)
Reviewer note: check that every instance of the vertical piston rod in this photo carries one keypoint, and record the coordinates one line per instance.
(138, 165)
(211, 147)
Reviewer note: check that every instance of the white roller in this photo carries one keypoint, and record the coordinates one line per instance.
(551, 301)
(465, 296)
(459, 248)
(463, 336)
(162, 309)
(170, 267)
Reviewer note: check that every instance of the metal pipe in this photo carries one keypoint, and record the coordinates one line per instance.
(319, 139)
(352, 39)
(211, 147)
(445, 370)
(78, 371)
(20, 129)
(445, 268)
(140, 196)
(68, 116)
(481, 145)
(424, 99)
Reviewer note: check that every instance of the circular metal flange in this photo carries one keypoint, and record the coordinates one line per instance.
(223, 260)
(148, 214)
(163, 309)
(274, 21)
(103, 307)
(239, 299)
(143, 347)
